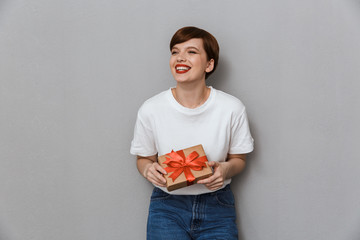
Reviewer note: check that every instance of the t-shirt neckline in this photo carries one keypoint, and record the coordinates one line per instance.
(196, 110)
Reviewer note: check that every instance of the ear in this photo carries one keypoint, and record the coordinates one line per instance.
(210, 66)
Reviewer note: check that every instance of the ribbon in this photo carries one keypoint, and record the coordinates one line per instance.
(178, 163)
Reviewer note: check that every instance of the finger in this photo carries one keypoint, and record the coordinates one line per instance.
(157, 171)
(156, 181)
(159, 168)
(207, 180)
(214, 186)
(155, 175)
(204, 181)
(212, 178)
(213, 164)
(159, 177)
(216, 182)
(160, 184)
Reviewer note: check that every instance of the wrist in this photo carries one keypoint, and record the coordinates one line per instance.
(226, 167)
(147, 166)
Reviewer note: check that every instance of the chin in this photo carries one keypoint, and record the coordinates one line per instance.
(182, 80)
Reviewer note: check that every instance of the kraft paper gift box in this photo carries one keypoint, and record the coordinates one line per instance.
(185, 167)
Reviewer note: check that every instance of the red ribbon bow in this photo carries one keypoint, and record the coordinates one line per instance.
(178, 163)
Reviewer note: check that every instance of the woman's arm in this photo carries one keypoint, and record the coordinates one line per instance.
(234, 164)
(151, 170)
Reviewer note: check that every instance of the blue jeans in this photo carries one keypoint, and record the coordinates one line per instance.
(207, 216)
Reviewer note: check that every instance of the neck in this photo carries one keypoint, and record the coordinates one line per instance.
(191, 95)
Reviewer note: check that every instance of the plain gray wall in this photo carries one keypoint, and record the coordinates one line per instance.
(74, 73)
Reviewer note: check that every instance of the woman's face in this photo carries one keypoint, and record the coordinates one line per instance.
(188, 61)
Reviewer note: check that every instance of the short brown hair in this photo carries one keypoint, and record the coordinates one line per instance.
(211, 45)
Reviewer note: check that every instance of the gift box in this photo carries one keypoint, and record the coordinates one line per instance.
(185, 167)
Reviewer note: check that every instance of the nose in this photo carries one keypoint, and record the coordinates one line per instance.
(180, 57)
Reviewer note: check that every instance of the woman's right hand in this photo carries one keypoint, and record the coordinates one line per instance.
(154, 174)
(151, 170)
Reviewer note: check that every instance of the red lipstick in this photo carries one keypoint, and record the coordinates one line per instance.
(182, 68)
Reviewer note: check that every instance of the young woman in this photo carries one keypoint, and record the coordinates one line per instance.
(187, 115)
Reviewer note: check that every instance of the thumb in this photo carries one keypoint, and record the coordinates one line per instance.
(213, 164)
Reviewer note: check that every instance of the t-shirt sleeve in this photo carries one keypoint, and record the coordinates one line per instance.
(143, 143)
(241, 141)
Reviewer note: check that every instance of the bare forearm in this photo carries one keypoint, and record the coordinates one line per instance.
(143, 164)
(151, 170)
(224, 170)
(234, 166)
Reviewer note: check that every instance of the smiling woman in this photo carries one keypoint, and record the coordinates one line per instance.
(187, 115)
(209, 43)
(190, 55)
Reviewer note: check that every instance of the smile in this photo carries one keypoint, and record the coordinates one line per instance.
(181, 68)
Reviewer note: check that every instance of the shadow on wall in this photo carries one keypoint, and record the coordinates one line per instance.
(220, 80)
(238, 184)
(220, 76)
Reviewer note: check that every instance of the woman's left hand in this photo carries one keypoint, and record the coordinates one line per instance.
(216, 181)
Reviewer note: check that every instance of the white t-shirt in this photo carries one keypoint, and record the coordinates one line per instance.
(220, 125)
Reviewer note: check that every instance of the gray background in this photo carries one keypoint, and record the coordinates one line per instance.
(74, 73)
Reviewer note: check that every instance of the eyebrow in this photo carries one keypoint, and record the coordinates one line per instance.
(187, 48)
(193, 48)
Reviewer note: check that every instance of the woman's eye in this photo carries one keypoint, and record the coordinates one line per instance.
(192, 52)
(173, 52)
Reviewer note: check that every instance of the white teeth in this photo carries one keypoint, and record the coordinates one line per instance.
(182, 68)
